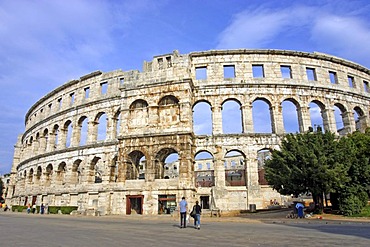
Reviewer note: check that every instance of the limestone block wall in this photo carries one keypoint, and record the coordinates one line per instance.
(102, 142)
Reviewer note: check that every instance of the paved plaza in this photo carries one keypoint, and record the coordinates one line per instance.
(20, 229)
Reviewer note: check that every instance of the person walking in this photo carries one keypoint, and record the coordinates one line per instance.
(183, 209)
(42, 208)
(198, 211)
(28, 208)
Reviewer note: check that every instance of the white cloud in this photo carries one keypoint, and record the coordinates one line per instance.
(325, 28)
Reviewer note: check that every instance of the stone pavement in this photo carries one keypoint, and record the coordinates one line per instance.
(20, 229)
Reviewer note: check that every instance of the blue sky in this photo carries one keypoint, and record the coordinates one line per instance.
(47, 43)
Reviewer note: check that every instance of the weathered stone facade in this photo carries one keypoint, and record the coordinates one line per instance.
(100, 142)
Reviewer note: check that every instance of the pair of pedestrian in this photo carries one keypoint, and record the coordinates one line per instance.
(195, 213)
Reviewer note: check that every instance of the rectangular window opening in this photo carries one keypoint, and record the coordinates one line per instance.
(351, 81)
(229, 71)
(160, 63)
(59, 103)
(258, 71)
(366, 86)
(201, 73)
(87, 92)
(121, 80)
(311, 74)
(333, 77)
(286, 71)
(104, 87)
(72, 96)
(169, 62)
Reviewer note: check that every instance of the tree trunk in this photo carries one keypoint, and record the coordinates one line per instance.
(318, 200)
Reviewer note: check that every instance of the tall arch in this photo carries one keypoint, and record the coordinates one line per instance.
(204, 169)
(101, 120)
(169, 110)
(235, 168)
(138, 114)
(317, 120)
(290, 116)
(82, 130)
(261, 111)
(231, 117)
(202, 118)
(136, 165)
(161, 162)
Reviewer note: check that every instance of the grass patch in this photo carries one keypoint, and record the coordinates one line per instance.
(364, 213)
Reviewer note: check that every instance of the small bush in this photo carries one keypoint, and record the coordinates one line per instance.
(18, 208)
(63, 209)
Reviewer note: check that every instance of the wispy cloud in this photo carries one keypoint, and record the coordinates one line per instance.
(339, 32)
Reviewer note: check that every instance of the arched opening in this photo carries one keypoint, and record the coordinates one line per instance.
(101, 119)
(202, 118)
(96, 170)
(204, 169)
(38, 173)
(261, 116)
(262, 156)
(30, 176)
(83, 130)
(235, 168)
(339, 114)
(317, 121)
(138, 114)
(61, 172)
(56, 135)
(360, 123)
(68, 132)
(48, 173)
(290, 116)
(231, 117)
(76, 172)
(136, 166)
(166, 164)
(169, 110)
(117, 124)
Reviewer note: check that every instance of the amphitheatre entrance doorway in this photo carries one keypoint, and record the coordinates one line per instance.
(134, 204)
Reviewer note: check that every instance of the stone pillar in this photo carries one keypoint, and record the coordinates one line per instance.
(52, 139)
(304, 119)
(62, 138)
(348, 122)
(92, 132)
(276, 113)
(76, 135)
(216, 120)
(247, 119)
(329, 120)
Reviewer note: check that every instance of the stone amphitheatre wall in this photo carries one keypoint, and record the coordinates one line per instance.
(101, 142)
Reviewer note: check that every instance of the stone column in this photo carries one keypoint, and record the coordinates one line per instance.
(277, 119)
(348, 122)
(216, 120)
(76, 135)
(304, 119)
(247, 118)
(92, 132)
(329, 120)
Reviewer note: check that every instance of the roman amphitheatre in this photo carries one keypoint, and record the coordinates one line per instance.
(133, 142)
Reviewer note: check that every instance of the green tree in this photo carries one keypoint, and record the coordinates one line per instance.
(353, 196)
(308, 162)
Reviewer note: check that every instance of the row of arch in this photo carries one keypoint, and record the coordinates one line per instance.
(233, 117)
(96, 170)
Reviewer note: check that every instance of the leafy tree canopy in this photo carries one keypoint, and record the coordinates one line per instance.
(308, 162)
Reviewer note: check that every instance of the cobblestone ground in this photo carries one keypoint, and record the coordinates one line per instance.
(20, 229)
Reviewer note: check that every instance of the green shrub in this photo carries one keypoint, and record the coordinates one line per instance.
(18, 208)
(63, 209)
(352, 204)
